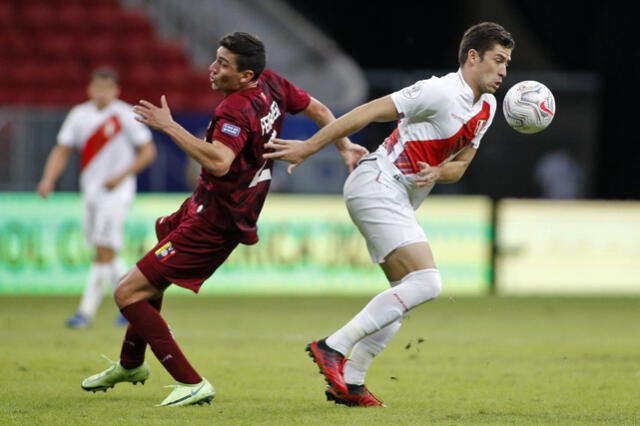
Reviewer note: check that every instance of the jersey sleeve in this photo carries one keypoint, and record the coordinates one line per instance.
(296, 99)
(475, 142)
(422, 99)
(137, 133)
(230, 129)
(67, 135)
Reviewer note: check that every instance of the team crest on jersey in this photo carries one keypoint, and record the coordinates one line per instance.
(165, 252)
(230, 129)
(412, 92)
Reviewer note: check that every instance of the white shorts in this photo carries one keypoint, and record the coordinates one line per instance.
(380, 207)
(104, 223)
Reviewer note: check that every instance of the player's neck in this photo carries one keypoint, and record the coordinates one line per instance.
(466, 76)
(101, 105)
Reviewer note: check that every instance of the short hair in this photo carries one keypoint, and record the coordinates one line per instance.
(105, 72)
(483, 37)
(249, 51)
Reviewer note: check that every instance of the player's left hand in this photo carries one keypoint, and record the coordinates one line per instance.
(291, 150)
(352, 154)
(428, 175)
(113, 182)
(155, 117)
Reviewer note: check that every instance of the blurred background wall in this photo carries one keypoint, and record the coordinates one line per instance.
(344, 53)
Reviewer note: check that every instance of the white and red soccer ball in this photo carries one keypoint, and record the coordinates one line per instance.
(529, 107)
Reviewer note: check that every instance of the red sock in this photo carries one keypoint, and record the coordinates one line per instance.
(134, 346)
(149, 324)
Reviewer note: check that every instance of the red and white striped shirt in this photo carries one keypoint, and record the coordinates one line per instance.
(438, 119)
(106, 139)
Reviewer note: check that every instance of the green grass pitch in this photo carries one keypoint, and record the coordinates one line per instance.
(529, 361)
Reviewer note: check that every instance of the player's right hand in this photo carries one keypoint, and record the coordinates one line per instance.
(155, 117)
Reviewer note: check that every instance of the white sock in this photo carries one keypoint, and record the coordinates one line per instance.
(117, 271)
(366, 349)
(94, 291)
(414, 289)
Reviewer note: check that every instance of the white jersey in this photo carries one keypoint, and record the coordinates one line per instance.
(438, 119)
(106, 139)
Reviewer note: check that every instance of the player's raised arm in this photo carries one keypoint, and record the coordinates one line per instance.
(215, 157)
(351, 153)
(295, 151)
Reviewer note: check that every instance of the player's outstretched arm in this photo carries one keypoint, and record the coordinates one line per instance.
(351, 153)
(56, 162)
(295, 151)
(215, 157)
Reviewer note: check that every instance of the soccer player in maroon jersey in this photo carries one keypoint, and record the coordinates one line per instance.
(221, 213)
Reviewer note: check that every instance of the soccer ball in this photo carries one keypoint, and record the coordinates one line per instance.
(529, 107)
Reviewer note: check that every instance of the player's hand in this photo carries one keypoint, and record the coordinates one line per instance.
(293, 151)
(352, 154)
(155, 117)
(428, 175)
(113, 182)
(45, 188)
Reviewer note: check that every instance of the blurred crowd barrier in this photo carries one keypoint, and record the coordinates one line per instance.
(308, 245)
(567, 247)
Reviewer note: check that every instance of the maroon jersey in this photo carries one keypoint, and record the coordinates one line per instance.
(244, 121)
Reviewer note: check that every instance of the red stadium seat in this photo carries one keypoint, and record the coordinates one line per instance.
(7, 15)
(38, 15)
(170, 53)
(49, 48)
(72, 17)
(55, 45)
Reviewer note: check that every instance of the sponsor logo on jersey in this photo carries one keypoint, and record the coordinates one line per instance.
(230, 129)
(165, 252)
(412, 92)
(267, 121)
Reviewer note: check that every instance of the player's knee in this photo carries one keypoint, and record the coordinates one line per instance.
(121, 293)
(427, 282)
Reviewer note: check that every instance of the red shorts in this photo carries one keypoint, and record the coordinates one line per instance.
(189, 250)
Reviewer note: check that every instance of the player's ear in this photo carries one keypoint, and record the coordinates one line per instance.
(247, 76)
(473, 56)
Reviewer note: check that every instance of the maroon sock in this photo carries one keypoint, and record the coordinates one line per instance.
(133, 345)
(147, 322)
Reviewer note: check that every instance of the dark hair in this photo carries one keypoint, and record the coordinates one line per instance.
(483, 37)
(105, 72)
(249, 51)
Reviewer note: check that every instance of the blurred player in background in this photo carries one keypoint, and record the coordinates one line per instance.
(440, 124)
(222, 212)
(113, 149)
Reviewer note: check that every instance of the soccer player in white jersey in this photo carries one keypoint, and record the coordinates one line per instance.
(113, 149)
(441, 121)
